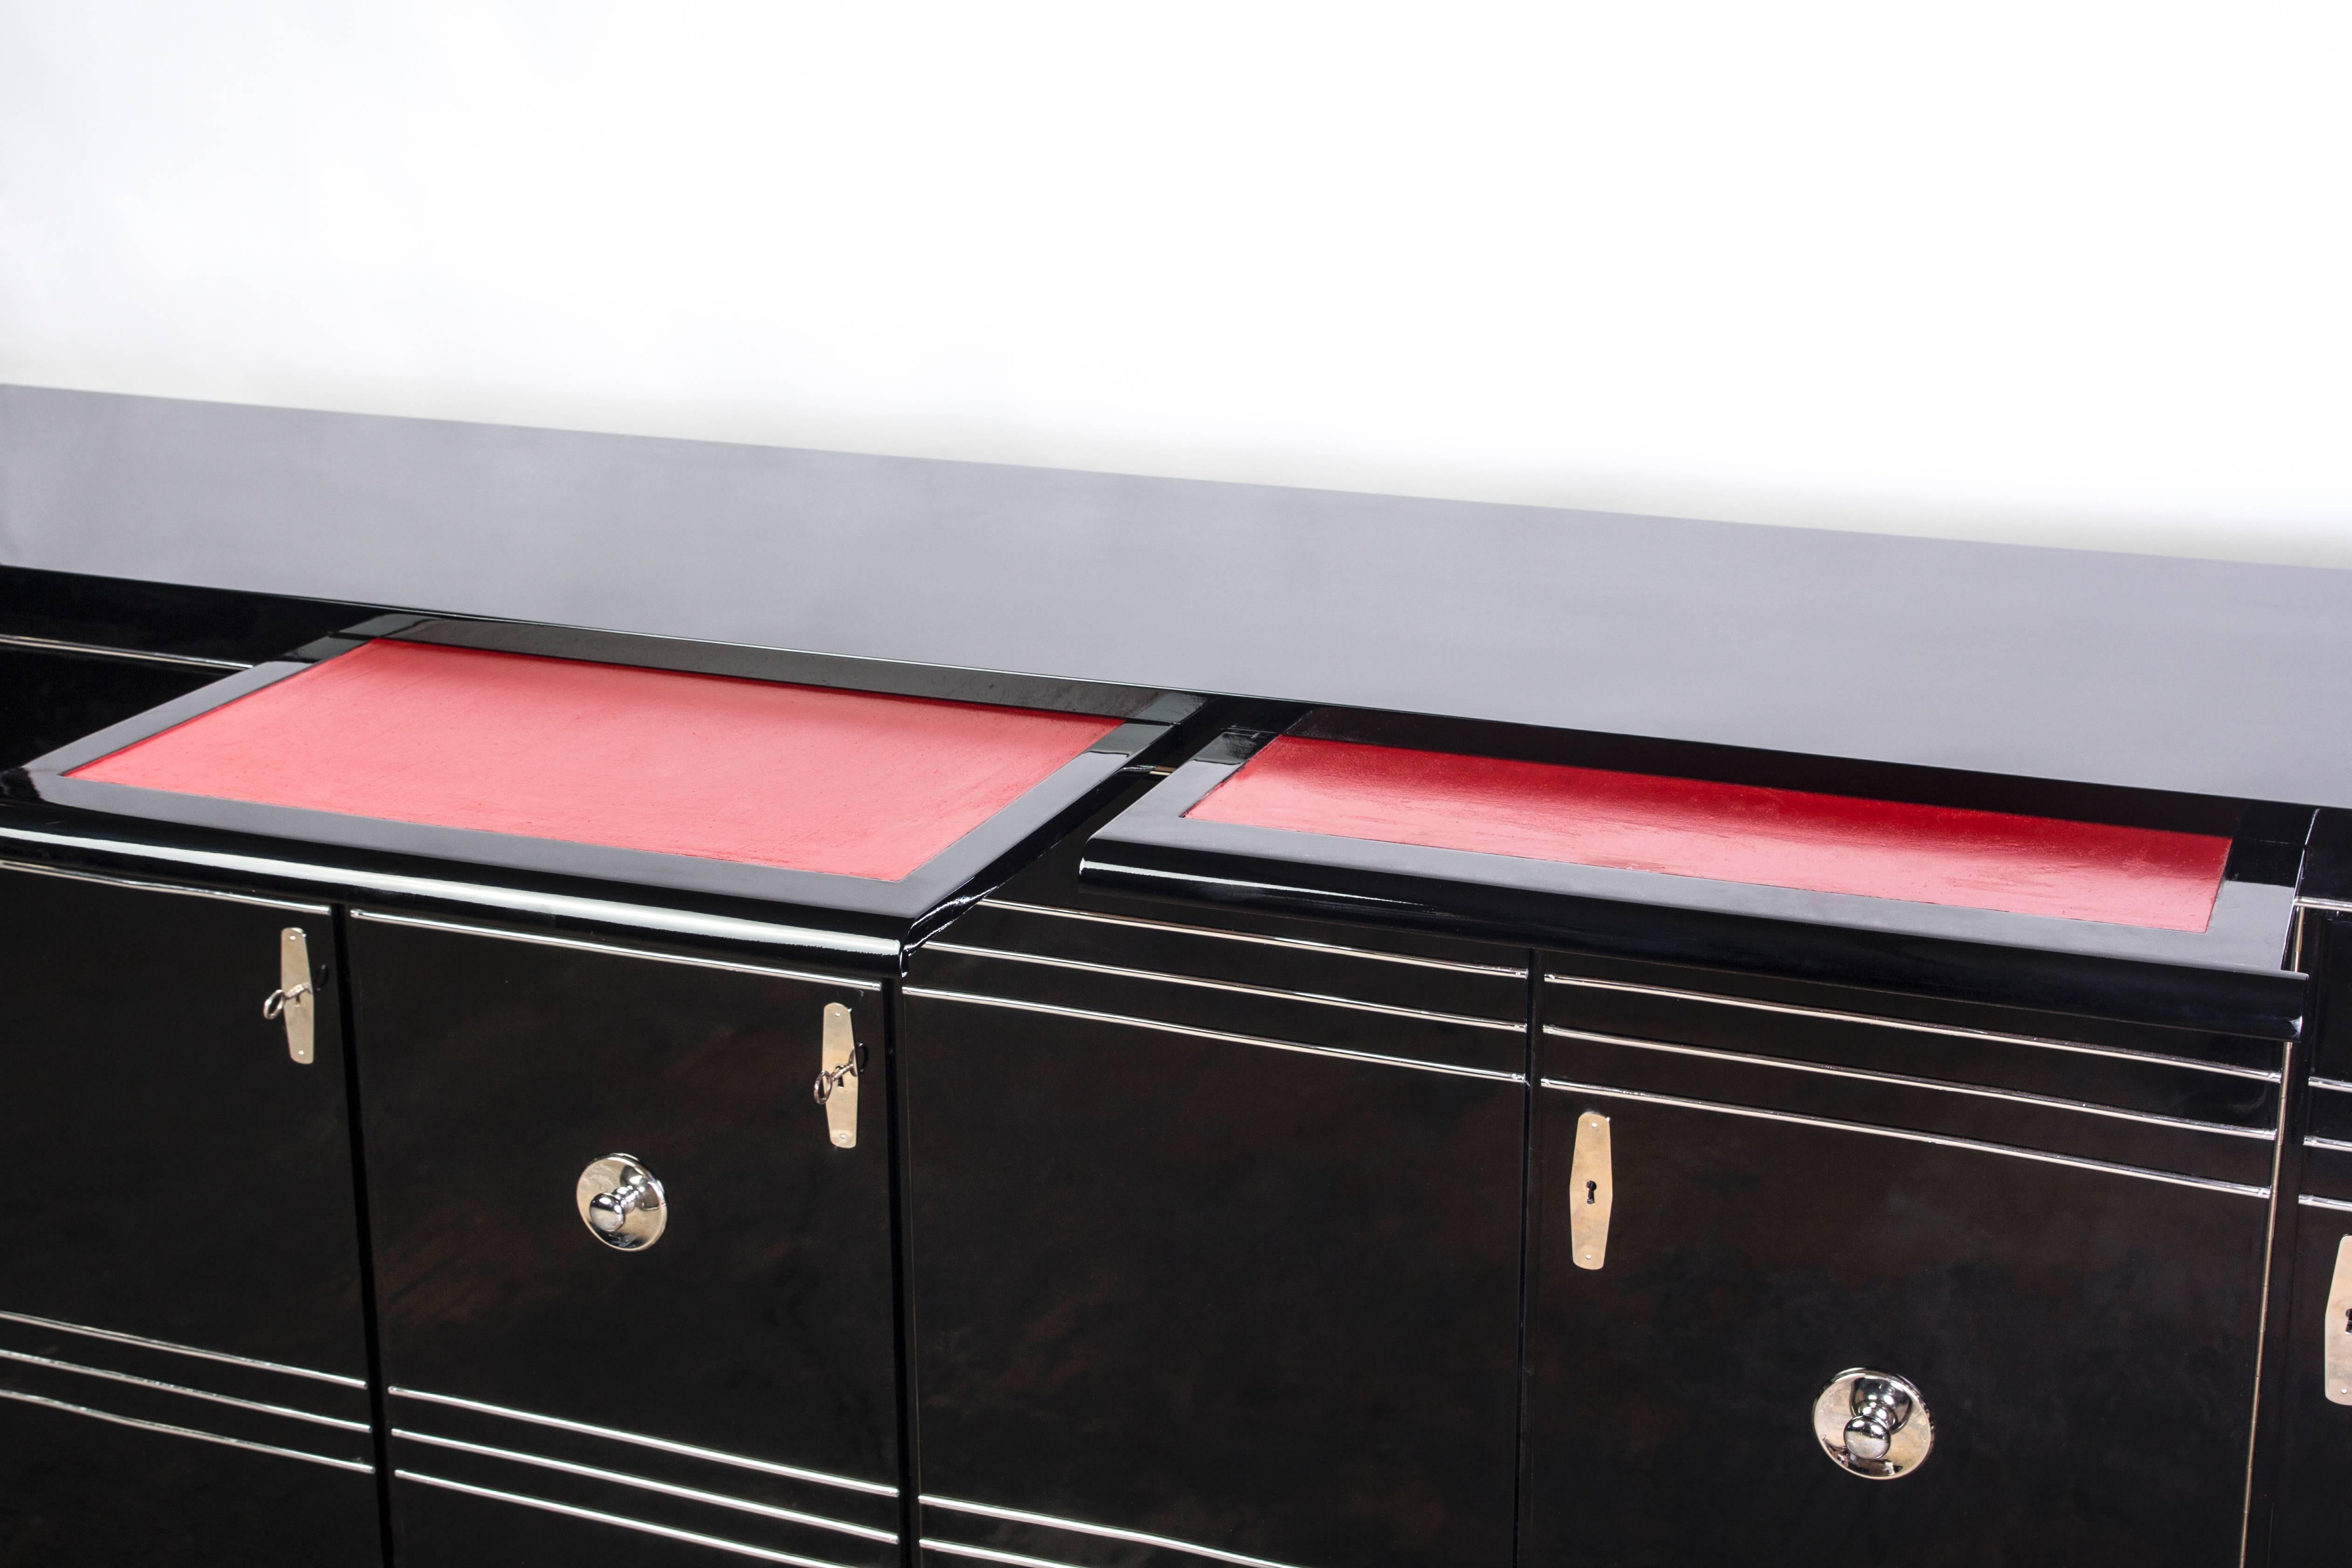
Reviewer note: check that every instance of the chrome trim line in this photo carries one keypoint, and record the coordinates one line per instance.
(2338, 1084)
(364, 1469)
(663, 1445)
(989, 1555)
(740, 1548)
(2334, 906)
(34, 868)
(144, 1344)
(1518, 1027)
(1956, 1030)
(145, 656)
(684, 922)
(1018, 1516)
(1253, 937)
(1212, 1034)
(537, 940)
(2339, 1205)
(1937, 1139)
(611, 1476)
(28, 1359)
(2019, 1097)
(2335, 1145)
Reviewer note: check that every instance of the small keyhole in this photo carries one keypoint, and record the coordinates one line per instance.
(2348, 1321)
(1592, 1192)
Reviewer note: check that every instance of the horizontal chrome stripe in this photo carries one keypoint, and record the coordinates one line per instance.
(2337, 1144)
(563, 906)
(663, 1445)
(99, 650)
(181, 1389)
(1954, 1030)
(1292, 941)
(1937, 1139)
(34, 868)
(170, 1430)
(2337, 1205)
(643, 1527)
(120, 1338)
(1018, 1516)
(607, 1475)
(2337, 1084)
(538, 940)
(2334, 906)
(2015, 1097)
(1513, 1026)
(989, 1555)
(1213, 1034)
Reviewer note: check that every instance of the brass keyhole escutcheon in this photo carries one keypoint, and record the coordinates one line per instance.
(1589, 1167)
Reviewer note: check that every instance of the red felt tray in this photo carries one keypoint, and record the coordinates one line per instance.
(794, 776)
(1726, 832)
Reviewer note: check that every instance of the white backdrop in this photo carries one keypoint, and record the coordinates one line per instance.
(2051, 271)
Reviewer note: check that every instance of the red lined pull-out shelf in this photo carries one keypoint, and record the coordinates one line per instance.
(804, 778)
(1727, 832)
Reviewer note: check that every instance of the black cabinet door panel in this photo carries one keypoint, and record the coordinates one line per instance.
(2310, 1421)
(182, 1355)
(745, 1358)
(2083, 1339)
(2313, 1517)
(1174, 1292)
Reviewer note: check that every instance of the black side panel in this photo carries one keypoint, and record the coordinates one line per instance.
(526, 1357)
(48, 698)
(182, 1353)
(1225, 1295)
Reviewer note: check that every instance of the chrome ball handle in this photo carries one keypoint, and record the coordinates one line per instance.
(1880, 1410)
(1873, 1423)
(622, 1203)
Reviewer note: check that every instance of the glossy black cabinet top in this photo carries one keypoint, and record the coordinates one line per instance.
(2157, 673)
(203, 627)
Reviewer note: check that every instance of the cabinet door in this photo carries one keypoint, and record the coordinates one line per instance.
(727, 1388)
(1198, 1275)
(2312, 1515)
(2081, 1340)
(2310, 1421)
(183, 1352)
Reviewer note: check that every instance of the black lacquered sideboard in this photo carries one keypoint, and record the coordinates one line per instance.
(511, 1093)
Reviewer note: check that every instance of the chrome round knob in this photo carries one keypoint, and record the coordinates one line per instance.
(621, 1202)
(1873, 1423)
